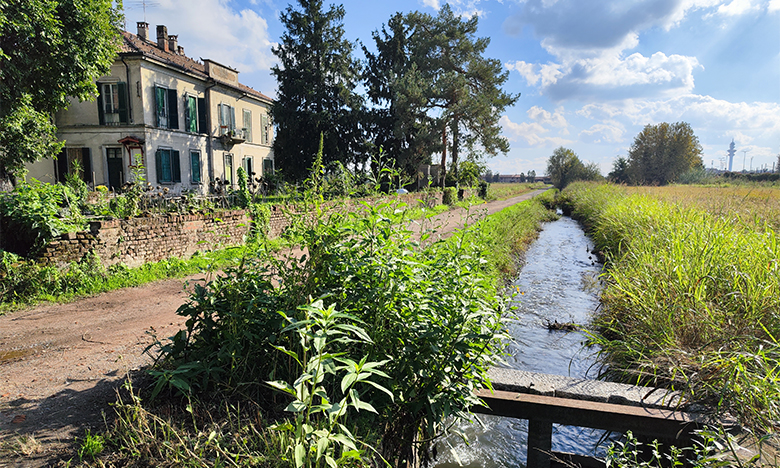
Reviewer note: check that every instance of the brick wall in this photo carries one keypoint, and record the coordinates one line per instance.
(141, 240)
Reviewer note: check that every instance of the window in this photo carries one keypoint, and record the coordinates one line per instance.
(166, 109)
(112, 103)
(264, 129)
(191, 114)
(115, 166)
(74, 161)
(248, 125)
(268, 167)
(195, 166)
(229, 168)
(227, 119)
(168, 168)
(247, 165)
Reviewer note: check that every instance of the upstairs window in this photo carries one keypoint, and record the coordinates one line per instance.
(227, 119)
(112, 103)
(168, 167)
(248, 125)
(264, 129)
(191, 114)
(167, 112)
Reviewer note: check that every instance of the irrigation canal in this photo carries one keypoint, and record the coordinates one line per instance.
(558, 282)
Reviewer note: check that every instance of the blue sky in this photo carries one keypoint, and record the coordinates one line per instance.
(592, 74)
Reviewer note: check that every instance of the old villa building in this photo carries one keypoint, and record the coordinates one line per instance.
(191, 123)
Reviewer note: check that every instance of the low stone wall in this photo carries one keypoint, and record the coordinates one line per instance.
(141, 240)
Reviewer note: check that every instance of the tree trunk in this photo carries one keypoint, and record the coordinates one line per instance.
(455, 142)
(443, 172)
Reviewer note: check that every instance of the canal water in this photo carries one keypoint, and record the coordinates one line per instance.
(558, 282)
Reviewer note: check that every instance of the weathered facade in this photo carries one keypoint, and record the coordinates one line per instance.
(190, 123)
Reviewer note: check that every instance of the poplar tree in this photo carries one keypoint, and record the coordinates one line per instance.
(317, 77)
(663, 152)
(50, 50)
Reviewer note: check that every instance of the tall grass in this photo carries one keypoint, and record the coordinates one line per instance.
(691, 300)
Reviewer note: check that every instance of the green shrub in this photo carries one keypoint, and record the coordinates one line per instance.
(448, 196)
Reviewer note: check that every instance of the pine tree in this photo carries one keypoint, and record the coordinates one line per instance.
(317, 78)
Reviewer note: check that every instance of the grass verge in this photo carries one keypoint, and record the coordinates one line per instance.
(691, 300)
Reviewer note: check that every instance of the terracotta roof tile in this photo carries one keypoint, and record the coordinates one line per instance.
(132, 44)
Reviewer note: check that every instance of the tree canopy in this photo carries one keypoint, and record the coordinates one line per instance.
(431, 74)
(49, 50)
(663, 152)
(564, 167)
(317, 77)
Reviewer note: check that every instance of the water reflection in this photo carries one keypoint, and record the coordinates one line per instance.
(558, 282)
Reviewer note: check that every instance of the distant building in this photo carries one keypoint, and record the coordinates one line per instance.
(189, 122)
(732, 151)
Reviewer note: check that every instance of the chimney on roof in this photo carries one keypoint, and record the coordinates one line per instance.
(143, 30)
(162, 37)
(181, 50)
(173, 43)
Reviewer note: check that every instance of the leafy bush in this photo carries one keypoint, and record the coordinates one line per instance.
(432, 314)
(448, 196)
(34, 213)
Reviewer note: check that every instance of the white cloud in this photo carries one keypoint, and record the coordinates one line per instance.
(553, 119)
(432, 4)
(211, 29)
(603, 133)
(773, 6)
(737, 8)
(526, 70)
(530, 132)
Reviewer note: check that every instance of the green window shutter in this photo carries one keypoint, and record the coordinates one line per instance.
(160, 110)
(191, 114)
(123, 103)
(175, 167)
(203, 125)
(232, 123)
(195, 167)
(158, 165)
(173, 110)
(86, 164)
(101, 116)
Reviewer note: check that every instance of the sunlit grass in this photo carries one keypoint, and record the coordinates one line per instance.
(692, 295)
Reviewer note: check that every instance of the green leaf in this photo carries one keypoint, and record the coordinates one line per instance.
(348, 380)
(300, 454)
(283, 386)
(296, 406)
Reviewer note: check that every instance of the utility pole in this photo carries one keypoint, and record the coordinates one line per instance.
(744, 157)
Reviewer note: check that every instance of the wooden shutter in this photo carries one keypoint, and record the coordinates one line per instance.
(101, 110)
(86, 163)
(158, 164)
(159, 108)
(123, 103)
(62, 165)
(173, 110)
(175, 167)
(232, 118)
(203, 125)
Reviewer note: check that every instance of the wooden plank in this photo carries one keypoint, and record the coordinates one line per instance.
(539, 443)
(655, 423)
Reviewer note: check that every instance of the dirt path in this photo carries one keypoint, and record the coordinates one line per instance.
(60, 364)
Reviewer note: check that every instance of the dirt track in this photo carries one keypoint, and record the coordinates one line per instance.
(60, 364)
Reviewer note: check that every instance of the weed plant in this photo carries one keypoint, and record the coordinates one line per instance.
(415, 332)
(691, 300)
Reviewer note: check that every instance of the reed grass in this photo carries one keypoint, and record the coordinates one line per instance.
(692, 298)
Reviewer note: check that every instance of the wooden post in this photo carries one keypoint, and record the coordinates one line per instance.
(539, 443)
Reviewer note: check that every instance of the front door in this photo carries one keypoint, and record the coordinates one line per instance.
(116, 175)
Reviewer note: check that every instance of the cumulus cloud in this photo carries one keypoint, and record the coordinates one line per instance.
(534, 133)
(603, 133)
(211, 29)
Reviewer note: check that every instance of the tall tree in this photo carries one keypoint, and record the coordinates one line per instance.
(317, 77)
(49, 50)
(441, 82)
(661, 153)
(398, 120)
(564, 167)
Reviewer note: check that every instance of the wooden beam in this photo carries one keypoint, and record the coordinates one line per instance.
(655, 423)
